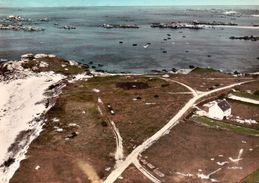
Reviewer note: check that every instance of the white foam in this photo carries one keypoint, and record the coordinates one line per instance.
(40, 55)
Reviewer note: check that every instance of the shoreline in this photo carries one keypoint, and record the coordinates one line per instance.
(182, 48)
(174, 70)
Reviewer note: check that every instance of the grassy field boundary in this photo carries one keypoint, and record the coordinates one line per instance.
(203, 70)
(225, 125)
(253, 177)
(246, 95)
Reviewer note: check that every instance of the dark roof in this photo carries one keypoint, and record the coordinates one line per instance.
(224, 105)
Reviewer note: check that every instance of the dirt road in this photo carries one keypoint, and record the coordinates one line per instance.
(164, 130)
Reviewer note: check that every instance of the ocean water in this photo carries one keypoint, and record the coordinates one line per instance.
(90, 42)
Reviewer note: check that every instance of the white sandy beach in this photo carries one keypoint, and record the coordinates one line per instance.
(22, 101)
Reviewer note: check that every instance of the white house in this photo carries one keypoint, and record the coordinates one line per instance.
(219, 109)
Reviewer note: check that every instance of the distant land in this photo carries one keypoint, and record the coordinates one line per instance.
(80, 3)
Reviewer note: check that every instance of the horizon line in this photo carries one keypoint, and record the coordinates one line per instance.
(126, 6)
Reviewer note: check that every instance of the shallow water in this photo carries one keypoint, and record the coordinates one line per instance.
(90, 42)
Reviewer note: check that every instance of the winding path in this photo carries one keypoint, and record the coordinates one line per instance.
(119, 145)
(119, 141)
(145, 172)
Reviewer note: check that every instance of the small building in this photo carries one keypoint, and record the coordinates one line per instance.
(219, 109)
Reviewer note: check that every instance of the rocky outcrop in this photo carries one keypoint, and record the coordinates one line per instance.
(214, 23)
(18, 23)
(246, 38)
(175, 25)
(120, 26)
(190, 25)
(20, 28)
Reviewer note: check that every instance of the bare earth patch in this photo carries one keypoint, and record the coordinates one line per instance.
(245, 111)
(132, 175)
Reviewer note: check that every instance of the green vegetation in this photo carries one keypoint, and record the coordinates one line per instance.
(82, 96)
(98, 79)
(246, 95)
(225, 125)
(71, 70)
(102, 122)
(55, 65)
(101, 81)
(256, 93)
(254, 177)
(203, 70)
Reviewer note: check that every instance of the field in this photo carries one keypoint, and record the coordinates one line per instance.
(226, 125)
(75, 128)
(253, 177)
(96, 123)
(207, 79)
(72, 134)
(192, 149)
(132, 175)
(139, 113)
(252, 87)
(245, 111)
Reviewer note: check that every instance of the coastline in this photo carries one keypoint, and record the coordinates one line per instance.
(26, 97)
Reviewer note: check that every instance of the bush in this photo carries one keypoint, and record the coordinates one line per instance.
(256, 92)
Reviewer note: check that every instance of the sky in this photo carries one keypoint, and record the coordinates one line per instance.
(57, 3)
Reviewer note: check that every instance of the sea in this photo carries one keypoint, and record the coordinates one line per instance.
(96, 46)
